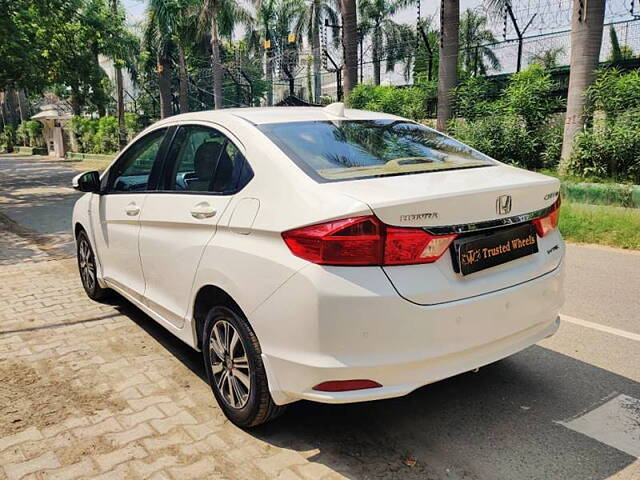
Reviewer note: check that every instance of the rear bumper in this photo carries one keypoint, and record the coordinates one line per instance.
(349, 323)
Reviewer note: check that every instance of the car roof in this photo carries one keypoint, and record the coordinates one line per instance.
(262, 115)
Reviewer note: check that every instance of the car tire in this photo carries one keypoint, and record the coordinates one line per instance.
(232, 359)
(88, 270)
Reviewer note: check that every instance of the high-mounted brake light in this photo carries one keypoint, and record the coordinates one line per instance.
(549, 222)
(365, 241)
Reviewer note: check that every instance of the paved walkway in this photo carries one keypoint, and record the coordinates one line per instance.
(100, 391)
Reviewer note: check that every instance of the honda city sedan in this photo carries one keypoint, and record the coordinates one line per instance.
(325, 254)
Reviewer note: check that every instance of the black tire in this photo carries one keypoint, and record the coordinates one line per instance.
(253, 403)
(87, 269)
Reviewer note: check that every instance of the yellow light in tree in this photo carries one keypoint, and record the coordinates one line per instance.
(267, 44)
(291, 38)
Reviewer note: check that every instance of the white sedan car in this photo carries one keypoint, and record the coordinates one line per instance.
(323, 254)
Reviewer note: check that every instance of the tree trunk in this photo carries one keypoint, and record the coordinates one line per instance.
(122, 131)
(19, 101)
(164, 85)
(448, 65)
(586, 39)
(75, 110)
(216, 65)
(350, 44)
(317, 60)
(377, 43)
(268, 65)
(184, 81)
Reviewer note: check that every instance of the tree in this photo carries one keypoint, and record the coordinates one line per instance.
(220, 18)
(474, 37)
(312, 19)
(186, 31)
(260, 39)
(618, 52)
(246, 68)
(27, 28)
(549, 58)
(350, 43)
(448, 62)
(158, 39)
(275, 20)
(389, 39)
(120, 43)
(426, 56)
(586, 38)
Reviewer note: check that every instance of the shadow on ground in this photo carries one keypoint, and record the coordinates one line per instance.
(499, 423)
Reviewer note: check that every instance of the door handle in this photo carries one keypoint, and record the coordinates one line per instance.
(132, 209)
(203, 210)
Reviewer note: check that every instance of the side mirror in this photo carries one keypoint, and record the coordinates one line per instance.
(87, 182)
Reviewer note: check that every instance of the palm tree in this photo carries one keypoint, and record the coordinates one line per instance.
(448, 59)
(586, 38)
(549, 58)
(157, 39)
(122, 132)
(474, 37)
(185, 34)
(312, 19)
(262, 35)
(220, 17)
(349, 14)
(275, 20)
(386, 35)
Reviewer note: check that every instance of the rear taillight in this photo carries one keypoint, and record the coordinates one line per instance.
(365, 241)
(549, 222)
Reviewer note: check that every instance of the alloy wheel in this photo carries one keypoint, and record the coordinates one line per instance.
(87, 264)
(229, 364)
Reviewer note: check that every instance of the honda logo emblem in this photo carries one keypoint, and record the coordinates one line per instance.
(503, 204)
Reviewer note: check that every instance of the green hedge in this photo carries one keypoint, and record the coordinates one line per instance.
(100, 135)
(408, 102)
(603, 194)
(519, 127)
(31, 150)
(609, 147)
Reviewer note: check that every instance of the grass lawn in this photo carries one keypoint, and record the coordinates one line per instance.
(604, 225)
(87, 165)
(582, 179)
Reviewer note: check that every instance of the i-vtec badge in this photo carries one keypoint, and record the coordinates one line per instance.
(551, 195)
(503, 204)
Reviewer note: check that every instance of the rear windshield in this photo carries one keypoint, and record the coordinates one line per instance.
(352, 149)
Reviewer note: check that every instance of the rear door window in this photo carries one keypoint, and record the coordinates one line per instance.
(202, 159)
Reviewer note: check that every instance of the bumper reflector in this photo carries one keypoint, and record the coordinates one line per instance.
(346, 385)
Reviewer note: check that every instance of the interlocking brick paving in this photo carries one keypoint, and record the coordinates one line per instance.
(93, 390)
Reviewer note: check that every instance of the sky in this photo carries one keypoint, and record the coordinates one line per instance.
(135, 9)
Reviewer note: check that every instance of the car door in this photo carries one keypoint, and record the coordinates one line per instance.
(202, 171)
(116, 212)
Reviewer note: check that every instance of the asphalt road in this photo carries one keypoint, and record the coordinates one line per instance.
(567, 408)
(38, 196)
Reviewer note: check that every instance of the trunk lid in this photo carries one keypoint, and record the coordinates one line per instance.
(462, 199)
